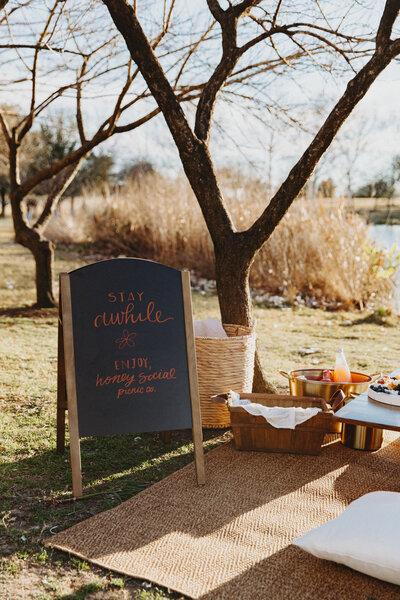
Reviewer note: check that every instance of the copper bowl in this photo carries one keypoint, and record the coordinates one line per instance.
(326, 389)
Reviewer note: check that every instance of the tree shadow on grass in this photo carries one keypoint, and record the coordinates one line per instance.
(36, 491)
(82, 592)
(32, 312)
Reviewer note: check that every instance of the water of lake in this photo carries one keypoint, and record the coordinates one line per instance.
(387, 235)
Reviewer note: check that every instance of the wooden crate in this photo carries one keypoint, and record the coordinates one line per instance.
(255, 433)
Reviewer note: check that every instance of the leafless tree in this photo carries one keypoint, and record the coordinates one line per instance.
(65, 51)
(68, 50)
(235, 250)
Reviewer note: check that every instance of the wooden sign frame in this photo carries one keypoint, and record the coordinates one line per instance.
(67, 399)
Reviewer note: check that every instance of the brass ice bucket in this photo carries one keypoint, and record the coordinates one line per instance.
(310, 386)
(361, 437)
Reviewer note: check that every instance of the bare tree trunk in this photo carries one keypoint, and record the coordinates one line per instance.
(43, 252)
(3, 202)
(32, 237)
(235, 299)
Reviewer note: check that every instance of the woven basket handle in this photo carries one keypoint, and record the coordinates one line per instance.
(221, 399)
(337, 400)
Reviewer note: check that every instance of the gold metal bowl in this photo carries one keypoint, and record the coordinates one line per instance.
(326, 389)
(310, 386)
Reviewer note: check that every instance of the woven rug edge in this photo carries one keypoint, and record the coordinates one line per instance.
(101, 564)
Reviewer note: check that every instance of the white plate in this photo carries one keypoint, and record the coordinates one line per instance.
(393, 399)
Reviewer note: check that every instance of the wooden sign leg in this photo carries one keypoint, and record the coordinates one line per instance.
(69, 361)
(193, 383)
(61, 390)
(199, 454)
(75, 449)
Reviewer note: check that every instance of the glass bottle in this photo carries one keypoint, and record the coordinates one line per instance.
(327, 375)
(341, 372)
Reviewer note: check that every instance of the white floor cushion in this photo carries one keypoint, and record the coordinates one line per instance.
(365, 537)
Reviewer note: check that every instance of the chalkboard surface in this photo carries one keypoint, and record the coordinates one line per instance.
(130, 353)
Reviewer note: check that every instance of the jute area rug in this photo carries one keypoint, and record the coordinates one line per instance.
(231, 539)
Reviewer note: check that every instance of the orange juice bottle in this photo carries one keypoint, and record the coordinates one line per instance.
(341, 372)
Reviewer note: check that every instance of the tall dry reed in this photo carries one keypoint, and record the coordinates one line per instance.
(316, 251)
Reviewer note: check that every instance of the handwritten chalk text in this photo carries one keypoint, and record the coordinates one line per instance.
(156, 376)
(129, 315)
(131, 363)
(126, 378)
(124, 296)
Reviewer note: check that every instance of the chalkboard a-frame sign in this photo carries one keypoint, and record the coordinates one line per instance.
(126, 355)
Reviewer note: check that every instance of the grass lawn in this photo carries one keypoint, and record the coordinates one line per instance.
(35, 481)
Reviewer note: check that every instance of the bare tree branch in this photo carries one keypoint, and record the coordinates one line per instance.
(231, 53)
(150, 68)
(192, 50)
(242, 8)
(228, 20)
(230, 56)
(389, 16)
(40, 47)
(26, 124)
(135, 124)
(321, 39)
(106, 130)
(334, 32)
(138, 123)
(79, 120)
(278, 8)
(5, 128)
(57, 191)
(216, 10)
(142, 53)
(356, 89)
(395, 48)
(268, 65)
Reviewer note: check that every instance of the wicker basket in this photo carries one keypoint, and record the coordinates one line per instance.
(255, 433)
(224, 364)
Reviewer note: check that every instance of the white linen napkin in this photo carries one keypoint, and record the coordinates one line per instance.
(277, 416)
(209, 328)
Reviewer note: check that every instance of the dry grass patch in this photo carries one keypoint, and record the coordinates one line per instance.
(318, 251)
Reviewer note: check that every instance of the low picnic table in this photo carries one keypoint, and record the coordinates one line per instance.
(371, 413)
